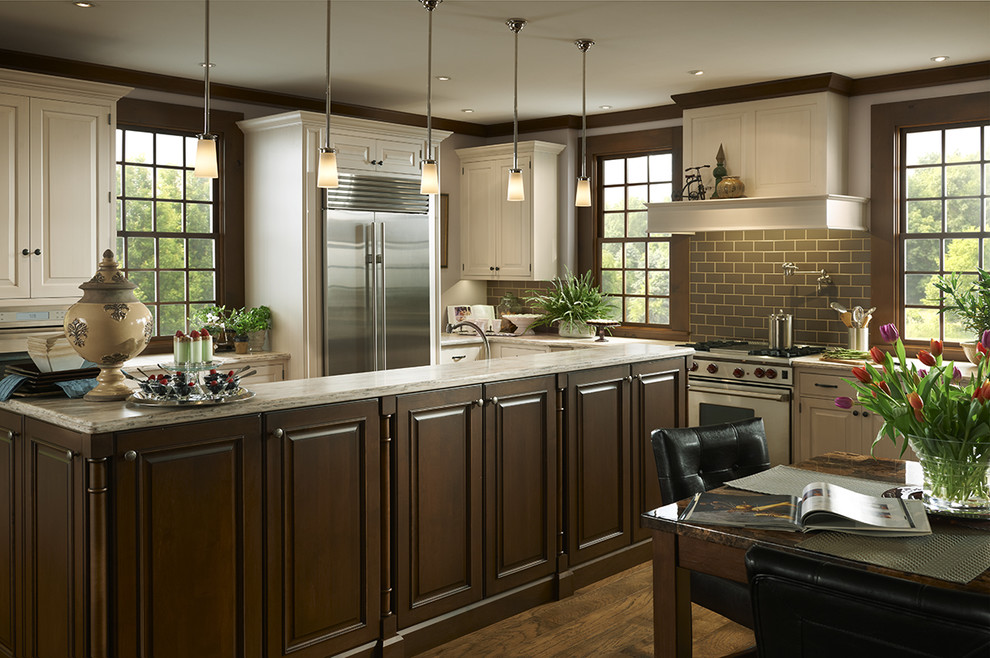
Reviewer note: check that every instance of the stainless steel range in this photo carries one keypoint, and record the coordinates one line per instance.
(733, 380)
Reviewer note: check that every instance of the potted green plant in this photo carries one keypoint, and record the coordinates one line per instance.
(252, 324)
(216, 320)
(571, 302)
(970, 302)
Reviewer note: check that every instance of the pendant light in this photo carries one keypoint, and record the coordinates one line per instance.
(430, 182)
(206, 147)
(582, 196)
(516, 191)
(326, 174)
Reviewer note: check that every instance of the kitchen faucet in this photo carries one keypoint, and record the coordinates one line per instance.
(467, 323)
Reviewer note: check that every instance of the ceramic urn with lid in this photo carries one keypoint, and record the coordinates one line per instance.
(108, 326)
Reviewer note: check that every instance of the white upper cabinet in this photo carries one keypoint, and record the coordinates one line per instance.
(363, 145)
(57, 171)
(509, 240)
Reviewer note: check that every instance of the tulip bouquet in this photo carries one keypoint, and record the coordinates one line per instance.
(945, 419)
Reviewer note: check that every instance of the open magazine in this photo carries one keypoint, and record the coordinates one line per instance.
(822, 506)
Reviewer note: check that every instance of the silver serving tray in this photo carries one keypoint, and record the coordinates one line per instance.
(138, 398)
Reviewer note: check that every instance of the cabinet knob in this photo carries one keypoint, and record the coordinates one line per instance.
(130, 456)
(491, 269)
(25, 252)
(69, 455)
(479, 403)
(855, 413)
(866, 414)
(497, 268)
(278, 433)
(37, 252)
(494, 400)
(628, 378)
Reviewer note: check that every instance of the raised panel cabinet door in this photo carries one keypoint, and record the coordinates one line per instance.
(189, 540)
(55, 575)
(438, 479)
(15, 218)
(598, 462)
(514, 253)
(520, 482)
(826, 428)
(323, 537)
(70, 188)
(397, 157)
(10, 440)
(354, 152)
(659, 399)
(479, 219)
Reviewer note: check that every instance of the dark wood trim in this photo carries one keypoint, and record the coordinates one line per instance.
(193, 87)
(566, 121)
(918, 79)
(886, 120)
(760, 90)
(131, 112)
(642, 115)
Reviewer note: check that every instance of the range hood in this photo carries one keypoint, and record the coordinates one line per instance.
(791, 154)
(781, 212)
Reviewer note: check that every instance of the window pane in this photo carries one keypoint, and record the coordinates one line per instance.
(118, 211)
(614, 198)
(635, 282)
(659, 255)
(615, 224)
(924, 216)
(660, 192)
(201, 253)
(962, 144)
(612, 255)
(145, 282)
(612, 282)
(171, 253)
(168, 217)
(635, 255)
(170, 150)
(199, 218)
(659, 311)
(660, 167)
(954, 329)
(659, 283)
(636, 170)
(613, 172)
(169, 184)
(141, 253)
(961, 255)
(202, 286)
(137, 181)
(172, 286)
(198, 189)
(139, 147)
(635, 309)
(119, 145)
(962, 215)
(920, 323)
(921, 255)
(637, 225)
(637, 196)
(172, 318)
(924, 182)
(962, 180)
(918, 289)
(924, 148)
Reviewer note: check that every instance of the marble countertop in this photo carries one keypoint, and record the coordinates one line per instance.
(233, 358)
(96, 417)
(447, 340)
(814, 361)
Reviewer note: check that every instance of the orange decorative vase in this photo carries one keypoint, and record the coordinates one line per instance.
(108, 326)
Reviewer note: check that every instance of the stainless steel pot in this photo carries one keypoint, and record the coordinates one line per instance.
(781, 336)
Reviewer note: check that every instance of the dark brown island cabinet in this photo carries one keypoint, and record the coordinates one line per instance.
(379, 526)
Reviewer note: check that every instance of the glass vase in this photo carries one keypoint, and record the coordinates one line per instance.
(956, 475)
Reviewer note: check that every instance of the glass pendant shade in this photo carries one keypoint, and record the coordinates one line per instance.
(326, 174)
(516, 192)
(206, 157)
(430, 182)
(582, 197)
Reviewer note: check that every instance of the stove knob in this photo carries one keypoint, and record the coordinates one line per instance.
(712, 368)
(694, 366)
(738, 372)
(771, 373)
(758, 372)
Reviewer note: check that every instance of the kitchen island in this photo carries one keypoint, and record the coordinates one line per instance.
(381, 512)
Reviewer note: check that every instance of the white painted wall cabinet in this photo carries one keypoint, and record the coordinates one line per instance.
(57, 173)
(509, 240)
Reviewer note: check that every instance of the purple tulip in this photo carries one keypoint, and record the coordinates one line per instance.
(956, 374)
(889, 332)
(985, 339)
(844, 402)
(922, 373)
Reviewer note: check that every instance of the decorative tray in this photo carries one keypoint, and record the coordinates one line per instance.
(203, 366)
(141, 399)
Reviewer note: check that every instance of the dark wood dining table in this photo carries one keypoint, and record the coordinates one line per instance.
(679, 548)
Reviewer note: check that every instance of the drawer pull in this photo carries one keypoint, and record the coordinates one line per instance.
(130, 455)
(820, 385)
(278, 433)
(458, 357)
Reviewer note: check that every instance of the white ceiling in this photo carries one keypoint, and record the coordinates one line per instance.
(643, 50)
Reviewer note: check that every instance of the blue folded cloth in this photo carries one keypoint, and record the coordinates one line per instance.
(9, 384)
(77, 388)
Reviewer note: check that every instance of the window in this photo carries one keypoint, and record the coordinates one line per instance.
(167, 233)
(635, 265)
(944, 219)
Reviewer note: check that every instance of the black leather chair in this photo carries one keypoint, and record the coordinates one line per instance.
(695, 459)
(809, 607)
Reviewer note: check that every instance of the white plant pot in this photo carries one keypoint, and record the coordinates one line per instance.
(576, 330)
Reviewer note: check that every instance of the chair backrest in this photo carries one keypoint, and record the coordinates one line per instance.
(808, 607)
(695, 459)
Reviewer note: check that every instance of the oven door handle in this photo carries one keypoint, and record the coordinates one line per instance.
(776, 397)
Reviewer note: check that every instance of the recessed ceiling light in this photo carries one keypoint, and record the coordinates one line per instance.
(467, 110)
(604, 107)
(84, 5)
(696, 72)
(939, 58)
(443, 78)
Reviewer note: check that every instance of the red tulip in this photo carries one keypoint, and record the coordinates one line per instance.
(983, 392)
(935, 346)
(981, 348)
(915, 400)
(862, 375)
(884, 387)
(878, 354)
(925, 357)
(920, 417)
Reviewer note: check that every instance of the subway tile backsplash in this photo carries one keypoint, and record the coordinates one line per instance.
(737, 281)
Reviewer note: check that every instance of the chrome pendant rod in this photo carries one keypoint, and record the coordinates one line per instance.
(515, 24)
(327, 144)
(206, 75)
(583, 45)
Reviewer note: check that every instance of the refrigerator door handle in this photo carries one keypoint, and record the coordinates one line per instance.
(372, 292)
(382, 319)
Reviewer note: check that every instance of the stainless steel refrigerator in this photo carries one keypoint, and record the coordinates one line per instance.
(377, 275)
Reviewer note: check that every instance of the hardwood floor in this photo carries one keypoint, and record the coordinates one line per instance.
(613, 617)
